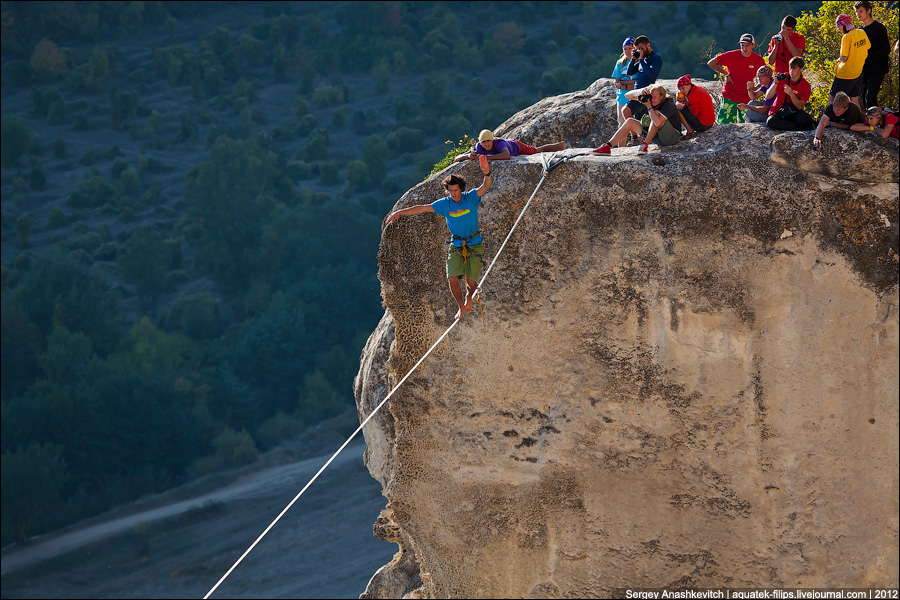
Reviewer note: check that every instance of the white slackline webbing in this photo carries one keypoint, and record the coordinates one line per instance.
(388, 397)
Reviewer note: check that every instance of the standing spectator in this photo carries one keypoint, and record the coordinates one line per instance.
(696, 107)
(644, 68)
(791, 92)
(883, 123)
(842, 114)
(849, 66)
(665, 121)
(622, 80)
(877, 61)
(739, 67)
(785, 45)
(756, 111)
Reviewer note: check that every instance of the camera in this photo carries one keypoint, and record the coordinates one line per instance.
(644, 98)
(781, 77)
(636, 53)
(778, 37)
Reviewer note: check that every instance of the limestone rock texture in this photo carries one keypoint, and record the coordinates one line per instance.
(687, 374)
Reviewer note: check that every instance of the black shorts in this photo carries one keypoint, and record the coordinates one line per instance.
(638, 110)
(851, 87)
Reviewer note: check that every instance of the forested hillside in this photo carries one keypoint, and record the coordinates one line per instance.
(192, 195)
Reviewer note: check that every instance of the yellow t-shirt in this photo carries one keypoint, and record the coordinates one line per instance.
(855, 46)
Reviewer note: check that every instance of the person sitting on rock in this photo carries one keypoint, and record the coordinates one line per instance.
(460, 209)
(883, 123)
(790, 93)
(663, 116)
(840, 114)
(757, 110)
(500, 149)
(696, 107)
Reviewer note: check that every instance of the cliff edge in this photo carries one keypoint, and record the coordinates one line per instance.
(687, 374)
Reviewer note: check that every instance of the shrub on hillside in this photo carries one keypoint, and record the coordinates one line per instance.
(15, 140)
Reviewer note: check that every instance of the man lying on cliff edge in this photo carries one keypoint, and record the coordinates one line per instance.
(500, 149)
(460, 209)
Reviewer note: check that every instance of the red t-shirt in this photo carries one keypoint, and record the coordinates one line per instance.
(802, 88)
(742, 69)
(700, 104)
(783, 55)
(890, 119)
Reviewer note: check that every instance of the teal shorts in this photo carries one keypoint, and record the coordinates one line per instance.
(470, 267)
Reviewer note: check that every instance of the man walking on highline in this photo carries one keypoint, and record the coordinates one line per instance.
(460, 209)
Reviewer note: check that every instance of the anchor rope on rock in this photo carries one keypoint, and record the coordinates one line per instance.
(549, 162)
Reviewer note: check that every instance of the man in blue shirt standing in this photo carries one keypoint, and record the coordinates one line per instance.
(460, 209)
(644, 69)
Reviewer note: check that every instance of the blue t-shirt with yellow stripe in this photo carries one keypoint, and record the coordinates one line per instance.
(462, 218)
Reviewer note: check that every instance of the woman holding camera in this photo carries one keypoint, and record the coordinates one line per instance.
(622, 80)
(664, 121)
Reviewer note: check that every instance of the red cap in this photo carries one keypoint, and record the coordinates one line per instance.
(683, 81)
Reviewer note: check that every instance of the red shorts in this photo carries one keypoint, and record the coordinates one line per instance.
(525, 148)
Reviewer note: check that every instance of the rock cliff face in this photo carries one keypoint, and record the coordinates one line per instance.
(687, 374)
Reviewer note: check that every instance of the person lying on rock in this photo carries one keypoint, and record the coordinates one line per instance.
(663, 121)
(460, 209)
(841, 114)
(883, 123)
(499, 149)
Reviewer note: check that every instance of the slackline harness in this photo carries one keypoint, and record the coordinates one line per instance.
(549, 163)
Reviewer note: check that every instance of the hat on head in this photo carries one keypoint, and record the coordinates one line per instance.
(629, 41)
(485, 135)
(845, 20)
(747, 38)
(683, 81)
(874, 111)
(764, 71)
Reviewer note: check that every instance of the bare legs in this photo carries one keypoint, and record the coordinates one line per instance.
(552, 147)
(465, 304)
(632, 126)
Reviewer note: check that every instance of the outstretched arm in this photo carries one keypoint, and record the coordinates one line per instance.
(412, 210)
(486, 184)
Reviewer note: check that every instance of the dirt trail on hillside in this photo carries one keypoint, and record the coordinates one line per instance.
(323, 547)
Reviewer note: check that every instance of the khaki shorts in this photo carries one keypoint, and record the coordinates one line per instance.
(667, 135)
(470, 267)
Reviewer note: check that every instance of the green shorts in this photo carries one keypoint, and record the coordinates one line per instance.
(729, 113)
(470, 267)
